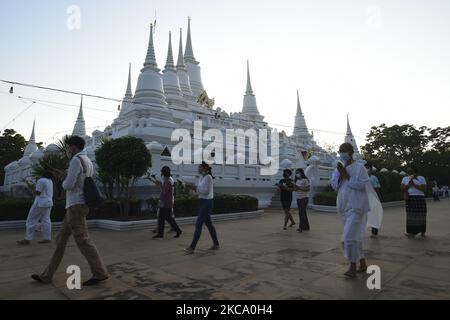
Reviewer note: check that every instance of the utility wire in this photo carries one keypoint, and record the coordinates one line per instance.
(143, 104)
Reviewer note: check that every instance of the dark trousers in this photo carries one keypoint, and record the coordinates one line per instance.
(302, 205)
(374, 231)
(205, 207)
(165, 214)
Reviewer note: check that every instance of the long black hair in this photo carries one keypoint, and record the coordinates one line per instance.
(302, 174)
(208, 168)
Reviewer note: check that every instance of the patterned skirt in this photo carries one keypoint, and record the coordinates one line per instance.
(416, 215)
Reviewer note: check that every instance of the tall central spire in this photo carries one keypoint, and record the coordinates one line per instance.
(129, 92)
(33, 137)
(300, 128)
(349, 138)
(31, 146)
(250, 108)
(189, 53)
(80, 125)
(249, 82)
(150, 59)
(349, 129)
(299, 107)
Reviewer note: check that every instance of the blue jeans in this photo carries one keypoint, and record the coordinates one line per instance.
(205, 207)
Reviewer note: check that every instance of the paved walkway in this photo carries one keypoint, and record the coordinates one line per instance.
(258, 260)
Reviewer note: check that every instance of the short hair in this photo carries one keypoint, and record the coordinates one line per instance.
(166, 171)
(288, 171)
(77, 142)
(368, 165)
(347, 145)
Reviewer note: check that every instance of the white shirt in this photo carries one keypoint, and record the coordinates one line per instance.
(45, 198)
(74, 182)
(352, 195)
(419, 180)
(303, 183)
(205, 187)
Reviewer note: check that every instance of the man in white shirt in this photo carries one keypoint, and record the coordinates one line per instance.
(75, 222)
(40, 211)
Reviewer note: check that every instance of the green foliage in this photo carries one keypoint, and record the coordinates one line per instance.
(12, 146)
(389, 191)
(393, 147)
(398, 146)
(12, 209)
(390, 186)
(17, 209)
(325, 198)
(51, 162)
(120, 163)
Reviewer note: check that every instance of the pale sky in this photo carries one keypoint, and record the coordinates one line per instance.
(379, 61)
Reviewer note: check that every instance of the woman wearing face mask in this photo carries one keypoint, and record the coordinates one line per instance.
(286, 187)
(414, 187)
(205, 191)
(301, 189)
(350, 180)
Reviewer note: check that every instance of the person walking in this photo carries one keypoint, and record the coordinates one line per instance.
(205, 192)
(414, 187)
(302, 188)
(350, 181)
(286, 187)
(166, 200)
(377, 187)
(75, 222)
(40, 210)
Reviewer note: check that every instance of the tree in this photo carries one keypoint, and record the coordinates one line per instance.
(12, 146)
(394, 147)
(399, 146)
(120, 163)
(50, 162)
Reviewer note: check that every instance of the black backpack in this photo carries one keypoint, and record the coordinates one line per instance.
(92, 196)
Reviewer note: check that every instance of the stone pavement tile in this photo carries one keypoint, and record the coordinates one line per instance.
(45, 294)
(15, 273)
(423, 286)
(306, 293)
(248, 267)
(112, 289)
(427, 272)
(250, 288)
(338, 287)
(289, 276)
(201, 272)
(437, 259)
(287, 256)
(392, 293)
(21, 287)
(174, 287)
(320, 267)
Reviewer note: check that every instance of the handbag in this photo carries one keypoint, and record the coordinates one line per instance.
(92, 196)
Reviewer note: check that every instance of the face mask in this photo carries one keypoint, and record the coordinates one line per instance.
(344, 156)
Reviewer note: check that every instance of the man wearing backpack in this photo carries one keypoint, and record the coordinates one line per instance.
(75, 222)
